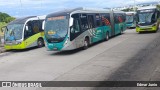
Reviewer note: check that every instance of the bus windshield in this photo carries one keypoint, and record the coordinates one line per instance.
(13, 32)
(129, 18)
(56, 27)
(145, 17)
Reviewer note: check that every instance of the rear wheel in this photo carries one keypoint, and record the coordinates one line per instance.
(40, 43)
(107, 36)
(121, 31)
(86, 43)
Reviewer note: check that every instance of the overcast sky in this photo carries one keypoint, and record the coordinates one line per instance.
(21, 8)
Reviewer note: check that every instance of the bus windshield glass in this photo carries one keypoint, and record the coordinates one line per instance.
(129, 18)
(145, 17)
(13, 32)
(56, 27)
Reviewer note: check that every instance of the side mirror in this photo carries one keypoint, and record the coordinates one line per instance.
(3, 29)
(71, 29)
(27, 28)
(43, 24)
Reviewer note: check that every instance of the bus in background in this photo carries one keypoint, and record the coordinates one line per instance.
(130, 19)
(147, 19)
(24, 33)
(81, 27)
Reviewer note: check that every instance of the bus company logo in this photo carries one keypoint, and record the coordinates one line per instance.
(6, 84)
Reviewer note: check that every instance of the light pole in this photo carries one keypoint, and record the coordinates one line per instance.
(21, 7)
(134, 5)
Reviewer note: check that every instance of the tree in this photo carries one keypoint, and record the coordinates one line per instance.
(4, 17)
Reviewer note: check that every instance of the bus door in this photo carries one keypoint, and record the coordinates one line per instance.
(92, 29)
(99, 28)
(76, 31)
(112, 23)
(31, 28)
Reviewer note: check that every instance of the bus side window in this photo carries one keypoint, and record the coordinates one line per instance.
(75, 28)
(116, 19)
(40, 25)
(36, 26)
(84, 22)
(91, 23)
(98, 20)
(28, 29)
(106, 20)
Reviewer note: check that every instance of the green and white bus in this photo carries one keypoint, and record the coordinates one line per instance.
(147, 19)
(80, 27)
(24, 33)
(131, 19)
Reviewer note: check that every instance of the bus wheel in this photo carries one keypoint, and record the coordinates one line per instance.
(40, 43)
(121, 32)
(86, 43)
(107, 36)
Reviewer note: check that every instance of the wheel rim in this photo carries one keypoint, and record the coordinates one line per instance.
(86, 43)
(39, 43)
(121, 31)
(107, 36)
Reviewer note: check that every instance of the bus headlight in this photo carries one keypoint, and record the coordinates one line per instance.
(18, 42)
(65, 42)
(137, 25)
(154, 24)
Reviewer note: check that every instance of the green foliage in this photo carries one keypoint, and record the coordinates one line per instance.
(2, 24)
(158, 6)
(6, 18)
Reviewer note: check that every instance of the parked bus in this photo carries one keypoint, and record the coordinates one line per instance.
(80, 27)
(131, 19)
(147, 19)
(24, 33)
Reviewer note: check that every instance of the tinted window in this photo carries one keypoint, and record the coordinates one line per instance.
(91, 22)
(106, 20)
(98, 20)
(34, 27)
(84, 22)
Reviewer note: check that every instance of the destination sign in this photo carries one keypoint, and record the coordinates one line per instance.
(56, 18)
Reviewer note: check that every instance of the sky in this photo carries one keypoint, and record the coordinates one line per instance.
(22, 8)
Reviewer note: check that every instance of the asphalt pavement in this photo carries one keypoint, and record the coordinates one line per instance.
(130, 56)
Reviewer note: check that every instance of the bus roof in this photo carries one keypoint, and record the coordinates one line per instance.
(24, 19)
(147, 7)
(21, 20)
(131, 12)
(78, 10)
(116, 11)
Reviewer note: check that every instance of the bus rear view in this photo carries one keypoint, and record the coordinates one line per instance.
(147, 19)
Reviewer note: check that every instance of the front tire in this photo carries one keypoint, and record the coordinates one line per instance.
(107, 36)
(86, 43)
(40, 43)
(121, 32)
